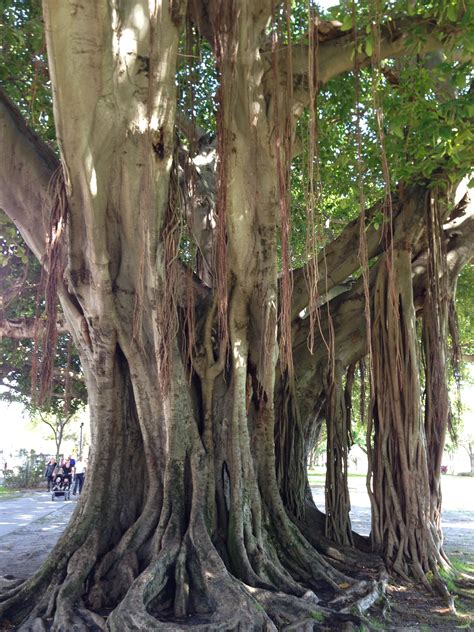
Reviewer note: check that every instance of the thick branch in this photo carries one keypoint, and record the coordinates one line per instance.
(347, 310)
(25, 176)
(28, 328)
(335, 55)
(339, 260)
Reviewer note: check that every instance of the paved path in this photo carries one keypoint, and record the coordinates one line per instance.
(31, 525)
(457, 519)
(18, 512)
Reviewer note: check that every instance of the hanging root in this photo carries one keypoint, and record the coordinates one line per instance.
(338, 524)
(404, 523)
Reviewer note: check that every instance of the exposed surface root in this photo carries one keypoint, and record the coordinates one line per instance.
(297, 613)
(227, 604)
(361, 598)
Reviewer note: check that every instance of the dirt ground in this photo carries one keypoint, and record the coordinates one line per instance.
(406, 608)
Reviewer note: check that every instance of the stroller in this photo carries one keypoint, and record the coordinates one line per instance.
(61, 485)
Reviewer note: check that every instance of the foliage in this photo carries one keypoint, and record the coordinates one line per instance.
(68, 393)
(29, 474)
(61, 426)
(22, 300)
(465, 310)
(24, 73)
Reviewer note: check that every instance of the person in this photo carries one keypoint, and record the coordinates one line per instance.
(67, 471)
(79, 472)
(49, 472)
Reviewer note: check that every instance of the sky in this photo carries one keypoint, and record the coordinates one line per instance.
(16, 432)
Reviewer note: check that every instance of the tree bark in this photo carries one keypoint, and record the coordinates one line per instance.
(403, 530)
(183, 523)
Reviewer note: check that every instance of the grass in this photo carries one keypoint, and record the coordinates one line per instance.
(317, 478)
(463, 566)
(318, 616)
(7, 493)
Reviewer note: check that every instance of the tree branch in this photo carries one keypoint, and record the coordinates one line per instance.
(340, 258)
(335, 53)
(25, 176)
(347, 310)
(28, 327)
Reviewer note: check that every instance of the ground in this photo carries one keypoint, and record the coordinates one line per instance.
(24, 548)
(407, 608)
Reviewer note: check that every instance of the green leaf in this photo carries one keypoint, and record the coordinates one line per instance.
(347, 23)
(452, 13)
(369, 45)
(397, 131)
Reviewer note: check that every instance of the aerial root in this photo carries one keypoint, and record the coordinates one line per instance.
(441, 588)
(466, 581)
(119, 566)
(67, 617)
(109, 588)
(297, 553)
(34, 625)
(16, 601)
(8, 584)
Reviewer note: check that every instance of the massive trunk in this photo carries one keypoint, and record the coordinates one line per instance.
(183, 522)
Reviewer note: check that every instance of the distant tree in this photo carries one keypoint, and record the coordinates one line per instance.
(22, 342)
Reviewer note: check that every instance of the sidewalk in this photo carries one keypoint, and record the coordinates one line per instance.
(457, 519)
(30, 527)
(18, 512)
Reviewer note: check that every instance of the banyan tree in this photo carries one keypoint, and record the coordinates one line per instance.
(221, 297)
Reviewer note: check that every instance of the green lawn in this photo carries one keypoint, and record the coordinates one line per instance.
(6, 493)
(317, 477)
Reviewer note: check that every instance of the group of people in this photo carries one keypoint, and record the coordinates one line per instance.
(69, 469)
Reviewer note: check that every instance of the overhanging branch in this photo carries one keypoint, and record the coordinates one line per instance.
(340, 258)
(25, 176)
(347, 310)
(25, 328)
(335, 51)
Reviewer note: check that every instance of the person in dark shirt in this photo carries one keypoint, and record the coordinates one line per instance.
(67, 471)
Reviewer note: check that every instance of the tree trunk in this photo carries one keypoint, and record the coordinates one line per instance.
(183, 523)
(338, 524)
(403, 530)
